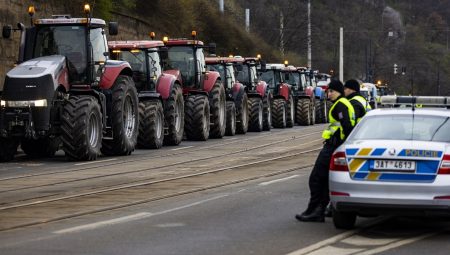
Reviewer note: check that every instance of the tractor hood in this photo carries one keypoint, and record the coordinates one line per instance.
(34, 79)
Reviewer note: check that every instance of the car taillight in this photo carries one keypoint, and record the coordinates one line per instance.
(445, 165)
(338, 162)
(337, 193)
(442, 197)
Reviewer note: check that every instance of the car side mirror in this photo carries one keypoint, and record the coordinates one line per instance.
(6, 31)
(113, 28)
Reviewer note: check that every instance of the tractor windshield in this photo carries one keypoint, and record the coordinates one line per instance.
(182, 58)
(271, 77)
(69, 41)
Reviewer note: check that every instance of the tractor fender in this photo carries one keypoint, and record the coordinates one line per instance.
(309, 91)
(284, 91)
(261, 88)
(237, 91)
(209, 79)
(175, 73)
(63, 78)
(112, 69)
(165, 84)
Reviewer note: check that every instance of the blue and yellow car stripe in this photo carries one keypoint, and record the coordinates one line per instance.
(361, 162)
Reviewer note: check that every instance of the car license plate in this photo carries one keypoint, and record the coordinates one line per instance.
(399, 165)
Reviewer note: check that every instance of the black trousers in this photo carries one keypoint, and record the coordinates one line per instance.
(318, 180)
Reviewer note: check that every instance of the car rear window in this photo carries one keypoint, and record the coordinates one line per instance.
(403, 127)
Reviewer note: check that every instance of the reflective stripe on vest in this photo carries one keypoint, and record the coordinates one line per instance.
(336, 125)
(363, 102)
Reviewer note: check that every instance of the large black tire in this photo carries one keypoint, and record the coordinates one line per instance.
(124, 118)
(321, 111)
(174, 116)
(197, 118)
(81, 128)
(290, 118)
(231, 119)
(267, 112)
(43, 147)
(344, 220)
(151, 125)
(303, 113)
(8, 147)
(217, 103)
(256, 114)
(242, 116)
(279, 113)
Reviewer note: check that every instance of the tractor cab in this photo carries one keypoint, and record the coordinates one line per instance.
(144, 60)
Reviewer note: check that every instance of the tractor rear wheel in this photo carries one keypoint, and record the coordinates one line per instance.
(303, 112)
(197, 118)
(231, 119)
(256, 114)
(151, 125)
(291, 112)
(267, 112)
(217, 102)
(8, 147)
(43, 147)
(279, 113)
(174, 116)
(124, 118)
(242, 114)
(81, 128)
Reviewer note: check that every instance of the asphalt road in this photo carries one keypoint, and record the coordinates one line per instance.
(252, 217)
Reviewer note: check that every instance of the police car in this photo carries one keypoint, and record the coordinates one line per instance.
(396, 161)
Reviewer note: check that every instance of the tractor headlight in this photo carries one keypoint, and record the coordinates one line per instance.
(22, 104)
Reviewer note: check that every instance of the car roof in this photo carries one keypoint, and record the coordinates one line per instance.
(408, 111)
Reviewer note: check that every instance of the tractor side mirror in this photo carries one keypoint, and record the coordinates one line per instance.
(212, 48)
(113, 28)
(6, 31)
(263, 67)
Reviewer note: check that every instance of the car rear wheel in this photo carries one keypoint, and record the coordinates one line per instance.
(343, 220)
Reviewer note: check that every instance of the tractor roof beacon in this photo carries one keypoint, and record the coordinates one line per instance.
(65, 91)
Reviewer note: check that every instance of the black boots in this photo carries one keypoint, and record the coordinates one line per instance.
(316, 215)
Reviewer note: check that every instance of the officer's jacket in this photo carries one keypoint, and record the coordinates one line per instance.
(342, 120)
(360, 105)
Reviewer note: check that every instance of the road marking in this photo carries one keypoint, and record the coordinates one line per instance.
(137, 216)
(133, 217)
(182, 148)
(335, 251)
(171, 225)
(278, 180)
(96, 161)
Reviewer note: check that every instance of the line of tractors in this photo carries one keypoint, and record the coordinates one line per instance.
(73, 90)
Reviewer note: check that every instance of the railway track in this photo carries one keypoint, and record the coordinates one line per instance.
(20, 213)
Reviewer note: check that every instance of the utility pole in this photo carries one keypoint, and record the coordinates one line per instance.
(438, 84)
(341, 54)
(247, 20)
(221, 6)
(309, 33)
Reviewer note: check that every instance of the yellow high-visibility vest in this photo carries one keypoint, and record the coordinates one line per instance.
(336, 125)
(364, 103)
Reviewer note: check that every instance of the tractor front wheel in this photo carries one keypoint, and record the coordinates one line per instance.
(256, 114)
(231, 119)
(197, 118)
(217, 101)
(279, 113)
(151, 125)
(81, 128)
(303, 112)
(242, 114)
(124, 118)
(174, 116)
(8, 147)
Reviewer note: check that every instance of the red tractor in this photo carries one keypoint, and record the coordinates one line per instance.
(161, 103)
(237, 101)
(258, 92)
(66, 89)
(204, 93)
(283, 106)
(304, 97)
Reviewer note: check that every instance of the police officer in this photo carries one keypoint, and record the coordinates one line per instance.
(360, 104)
(342, 119)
